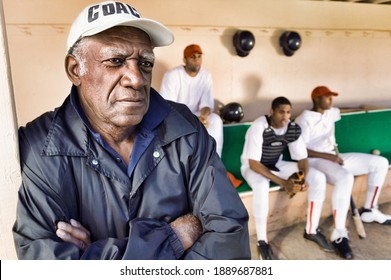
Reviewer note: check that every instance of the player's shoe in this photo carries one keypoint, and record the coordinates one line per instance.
(374, 215)
(319, 239)
(340, 241)
(264, 250)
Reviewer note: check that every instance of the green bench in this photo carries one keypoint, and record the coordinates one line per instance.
(365, 131)
(361, 131)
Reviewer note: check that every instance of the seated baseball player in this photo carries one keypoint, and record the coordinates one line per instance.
(318, 133)
(261, 162)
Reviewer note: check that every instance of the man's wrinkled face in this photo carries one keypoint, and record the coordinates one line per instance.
(114, 88)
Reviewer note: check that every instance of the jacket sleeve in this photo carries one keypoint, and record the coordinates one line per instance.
(219, 208)
(35, 238)
(149, 239)
(41, 205)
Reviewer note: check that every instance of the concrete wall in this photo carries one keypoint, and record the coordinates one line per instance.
(344, 45)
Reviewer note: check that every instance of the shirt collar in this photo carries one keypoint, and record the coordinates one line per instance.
(156, 113)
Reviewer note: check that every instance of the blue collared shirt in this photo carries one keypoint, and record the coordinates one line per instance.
(145, 131)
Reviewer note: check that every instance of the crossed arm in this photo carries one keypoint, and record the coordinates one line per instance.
(187, 227)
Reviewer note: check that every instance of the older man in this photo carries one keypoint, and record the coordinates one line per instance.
(117, 172)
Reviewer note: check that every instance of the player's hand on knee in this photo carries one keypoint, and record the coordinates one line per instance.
(204, 120)
(335, 158)
(339, 161)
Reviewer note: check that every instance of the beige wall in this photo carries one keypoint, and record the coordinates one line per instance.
(9, 156)
(344, 45)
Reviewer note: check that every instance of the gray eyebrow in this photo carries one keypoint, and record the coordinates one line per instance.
(148, 55)
(113, 51)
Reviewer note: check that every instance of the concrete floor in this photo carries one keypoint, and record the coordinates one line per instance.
(289, 244)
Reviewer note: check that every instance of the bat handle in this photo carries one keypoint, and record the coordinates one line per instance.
(352, 204)
(336, 149)
(357, 219)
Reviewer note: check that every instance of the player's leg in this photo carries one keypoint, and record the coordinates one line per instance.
(316, 195)
(343, 181)
(260, 186)
(215, 129)
(376, 167)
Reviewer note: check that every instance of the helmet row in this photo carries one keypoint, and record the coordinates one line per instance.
(244, 42)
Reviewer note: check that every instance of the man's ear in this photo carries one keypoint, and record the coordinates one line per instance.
(317, 100)
(72, 68)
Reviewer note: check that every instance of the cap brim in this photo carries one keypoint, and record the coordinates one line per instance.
(324, 94)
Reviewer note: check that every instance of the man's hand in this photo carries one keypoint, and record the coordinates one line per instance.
(74, 233)
(336, 158)
(188, 228)
(292, 188)
(204, 113)
(204, 120)
(295, 183)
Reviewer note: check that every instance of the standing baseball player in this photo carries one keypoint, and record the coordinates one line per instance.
(261, 162)
(318, 133)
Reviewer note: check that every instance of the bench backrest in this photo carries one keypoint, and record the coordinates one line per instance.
(355, 132)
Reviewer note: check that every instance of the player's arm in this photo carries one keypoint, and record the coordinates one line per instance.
(303, 166)
(260, 168)
(328, 156)
(204, 113)
(188, 229)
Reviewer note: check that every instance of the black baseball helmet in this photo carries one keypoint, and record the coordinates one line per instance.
(290, 41)
(231, 112)
(244, 42)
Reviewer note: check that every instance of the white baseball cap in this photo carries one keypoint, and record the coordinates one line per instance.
(102, 16)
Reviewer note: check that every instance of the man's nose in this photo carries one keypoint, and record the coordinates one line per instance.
(132, 76)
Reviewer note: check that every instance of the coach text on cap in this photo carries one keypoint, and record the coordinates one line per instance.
(99, 17)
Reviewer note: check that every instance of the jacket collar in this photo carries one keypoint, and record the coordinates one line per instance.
(68, 133)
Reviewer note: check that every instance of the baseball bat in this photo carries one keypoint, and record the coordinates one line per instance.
(355, 214)
(357, 219)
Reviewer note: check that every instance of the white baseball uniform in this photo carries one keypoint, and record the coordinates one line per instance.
(318, 135)
(195, 92)
(252, 149)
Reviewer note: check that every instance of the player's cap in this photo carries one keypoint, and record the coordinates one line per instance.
(322, 91)
(99, 17)
(192, 49)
